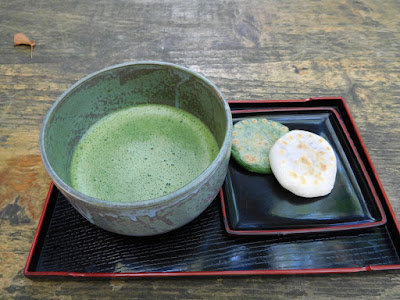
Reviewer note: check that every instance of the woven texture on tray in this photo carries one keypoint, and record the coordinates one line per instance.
(73, 244)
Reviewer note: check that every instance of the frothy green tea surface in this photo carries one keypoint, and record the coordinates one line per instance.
(141, 153)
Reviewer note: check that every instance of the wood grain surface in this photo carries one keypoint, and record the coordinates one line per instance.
(251, 50)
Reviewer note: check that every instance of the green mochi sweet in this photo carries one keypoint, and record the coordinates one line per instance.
(252, 141)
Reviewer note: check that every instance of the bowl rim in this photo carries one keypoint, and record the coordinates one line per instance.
(175, 195)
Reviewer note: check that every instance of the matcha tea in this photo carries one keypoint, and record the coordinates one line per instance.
(141, 153)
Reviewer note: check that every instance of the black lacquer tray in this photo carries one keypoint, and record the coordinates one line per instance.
(67, 246)
(258, 204)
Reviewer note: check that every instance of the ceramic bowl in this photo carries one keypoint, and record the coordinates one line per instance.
(122, 86)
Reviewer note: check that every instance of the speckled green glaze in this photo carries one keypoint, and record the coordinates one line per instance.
(120, 87)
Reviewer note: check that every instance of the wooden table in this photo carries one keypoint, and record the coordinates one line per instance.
(251, 50)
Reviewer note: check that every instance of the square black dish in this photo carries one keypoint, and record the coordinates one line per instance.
(258, 204)
(67, 246)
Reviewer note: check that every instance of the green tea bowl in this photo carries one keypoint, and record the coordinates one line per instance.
(124, 86)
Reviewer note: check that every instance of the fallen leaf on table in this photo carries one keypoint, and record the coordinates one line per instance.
(22, 39)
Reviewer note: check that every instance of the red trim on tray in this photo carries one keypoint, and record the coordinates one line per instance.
(389, 206)
(38, 229)
(385, 197)
(364, 171)
(288, 100)
(384, 267)
(273, 101)
(203, 273)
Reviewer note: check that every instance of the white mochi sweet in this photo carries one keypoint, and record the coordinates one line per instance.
(304, 163)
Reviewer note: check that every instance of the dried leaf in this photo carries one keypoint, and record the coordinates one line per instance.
(22, 39)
